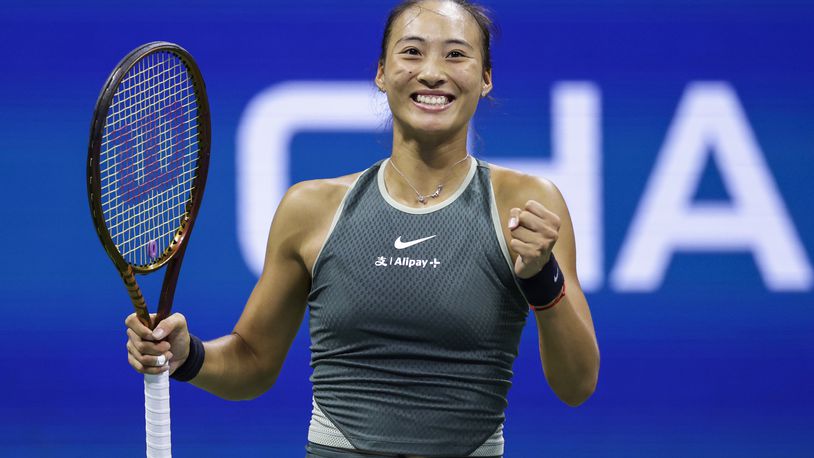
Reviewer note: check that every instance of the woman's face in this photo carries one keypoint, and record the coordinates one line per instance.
(433, 74)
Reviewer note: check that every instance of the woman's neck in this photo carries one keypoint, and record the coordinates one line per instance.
(418, 167)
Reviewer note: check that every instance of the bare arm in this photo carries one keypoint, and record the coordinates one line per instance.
(568, 348)
(246, 363)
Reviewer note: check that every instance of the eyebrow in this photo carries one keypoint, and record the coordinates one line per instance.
(422, 40)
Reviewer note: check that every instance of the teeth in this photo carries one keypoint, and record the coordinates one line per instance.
(432, 99)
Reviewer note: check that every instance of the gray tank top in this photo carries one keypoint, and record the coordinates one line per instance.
(415, 320)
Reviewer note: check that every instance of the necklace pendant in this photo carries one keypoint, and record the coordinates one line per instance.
(437, 191)
(422, 199)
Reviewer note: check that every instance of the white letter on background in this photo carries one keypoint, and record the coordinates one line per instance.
(576, 169)
(266, 128)
(710, 121)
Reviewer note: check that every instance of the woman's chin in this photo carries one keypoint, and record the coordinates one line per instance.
(433, 129)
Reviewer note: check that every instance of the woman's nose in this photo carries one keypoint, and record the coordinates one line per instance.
(431, 75)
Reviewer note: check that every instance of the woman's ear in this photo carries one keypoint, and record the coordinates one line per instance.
(380, 77)
(487, 83)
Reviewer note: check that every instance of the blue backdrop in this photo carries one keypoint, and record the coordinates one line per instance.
(702, 304)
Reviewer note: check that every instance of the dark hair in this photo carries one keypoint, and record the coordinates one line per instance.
(480, 13)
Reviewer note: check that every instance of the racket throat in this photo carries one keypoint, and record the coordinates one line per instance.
(136, 297)
(165, 301)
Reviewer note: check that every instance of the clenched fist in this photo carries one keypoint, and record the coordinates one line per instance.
(534, 231)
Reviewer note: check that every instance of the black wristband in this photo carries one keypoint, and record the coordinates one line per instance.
(544, 289)
(194, 361)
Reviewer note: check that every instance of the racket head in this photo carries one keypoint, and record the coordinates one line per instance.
(148, 156)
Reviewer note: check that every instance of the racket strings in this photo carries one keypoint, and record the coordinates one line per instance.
(121, 132)
(137, 74)
(150, 151)
(126, 99)
(171, 194)
(173, 229)
(129, 172)
(147, 110)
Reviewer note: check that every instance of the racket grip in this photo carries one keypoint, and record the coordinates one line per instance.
(157, 415)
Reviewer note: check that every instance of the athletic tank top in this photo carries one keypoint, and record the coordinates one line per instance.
(415, 319)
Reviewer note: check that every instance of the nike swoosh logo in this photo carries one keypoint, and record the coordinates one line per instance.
(557, 275)
(402, 245)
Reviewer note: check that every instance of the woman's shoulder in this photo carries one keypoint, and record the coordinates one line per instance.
(305, 214)
(514, 188)
(320, 195)
(323, 187)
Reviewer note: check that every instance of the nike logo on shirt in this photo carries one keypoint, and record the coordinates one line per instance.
(402, 245)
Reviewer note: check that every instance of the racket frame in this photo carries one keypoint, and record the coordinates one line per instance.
(174, 253)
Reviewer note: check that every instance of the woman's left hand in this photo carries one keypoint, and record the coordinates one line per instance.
(534, 231)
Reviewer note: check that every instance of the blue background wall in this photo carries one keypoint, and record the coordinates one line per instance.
(711, 363)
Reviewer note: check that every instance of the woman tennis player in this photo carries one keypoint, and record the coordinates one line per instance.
(419, 271)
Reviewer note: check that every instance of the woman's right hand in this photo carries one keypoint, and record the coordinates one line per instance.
(165, 348)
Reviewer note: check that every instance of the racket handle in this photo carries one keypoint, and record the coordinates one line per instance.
(157, 415)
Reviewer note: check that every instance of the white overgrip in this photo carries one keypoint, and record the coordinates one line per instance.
(157, 415)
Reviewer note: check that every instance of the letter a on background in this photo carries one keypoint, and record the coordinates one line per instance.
(710, 121)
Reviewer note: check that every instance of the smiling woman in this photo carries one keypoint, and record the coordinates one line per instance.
(417, 274)
(434, 66)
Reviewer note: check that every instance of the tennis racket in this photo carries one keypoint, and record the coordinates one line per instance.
(147, 163)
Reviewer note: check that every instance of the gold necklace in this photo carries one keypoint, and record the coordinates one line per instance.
(421, 197)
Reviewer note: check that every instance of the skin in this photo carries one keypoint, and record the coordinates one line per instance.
(533, 214)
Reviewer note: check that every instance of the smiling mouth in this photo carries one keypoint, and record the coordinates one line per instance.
(432, 101)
